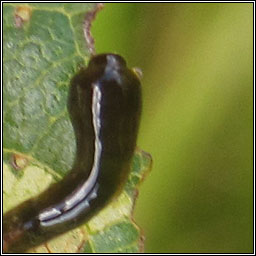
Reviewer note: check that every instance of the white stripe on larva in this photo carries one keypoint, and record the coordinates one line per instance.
(49, 213)
(68, 215)
(52, 215)
(90, 182)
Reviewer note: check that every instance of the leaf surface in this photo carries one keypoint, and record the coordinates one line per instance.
(43, 47)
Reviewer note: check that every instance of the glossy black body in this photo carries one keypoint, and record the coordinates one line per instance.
(105, 106)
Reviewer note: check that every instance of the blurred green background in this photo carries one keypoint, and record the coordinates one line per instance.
(197, 121)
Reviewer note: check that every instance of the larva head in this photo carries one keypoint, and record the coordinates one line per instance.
(117, 87)
(110, 60)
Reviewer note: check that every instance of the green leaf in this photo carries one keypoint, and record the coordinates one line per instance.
(43, 48)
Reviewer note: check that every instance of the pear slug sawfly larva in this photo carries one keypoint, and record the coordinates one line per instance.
(104, 106)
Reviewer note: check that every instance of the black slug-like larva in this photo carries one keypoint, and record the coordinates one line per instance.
(104, 106)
